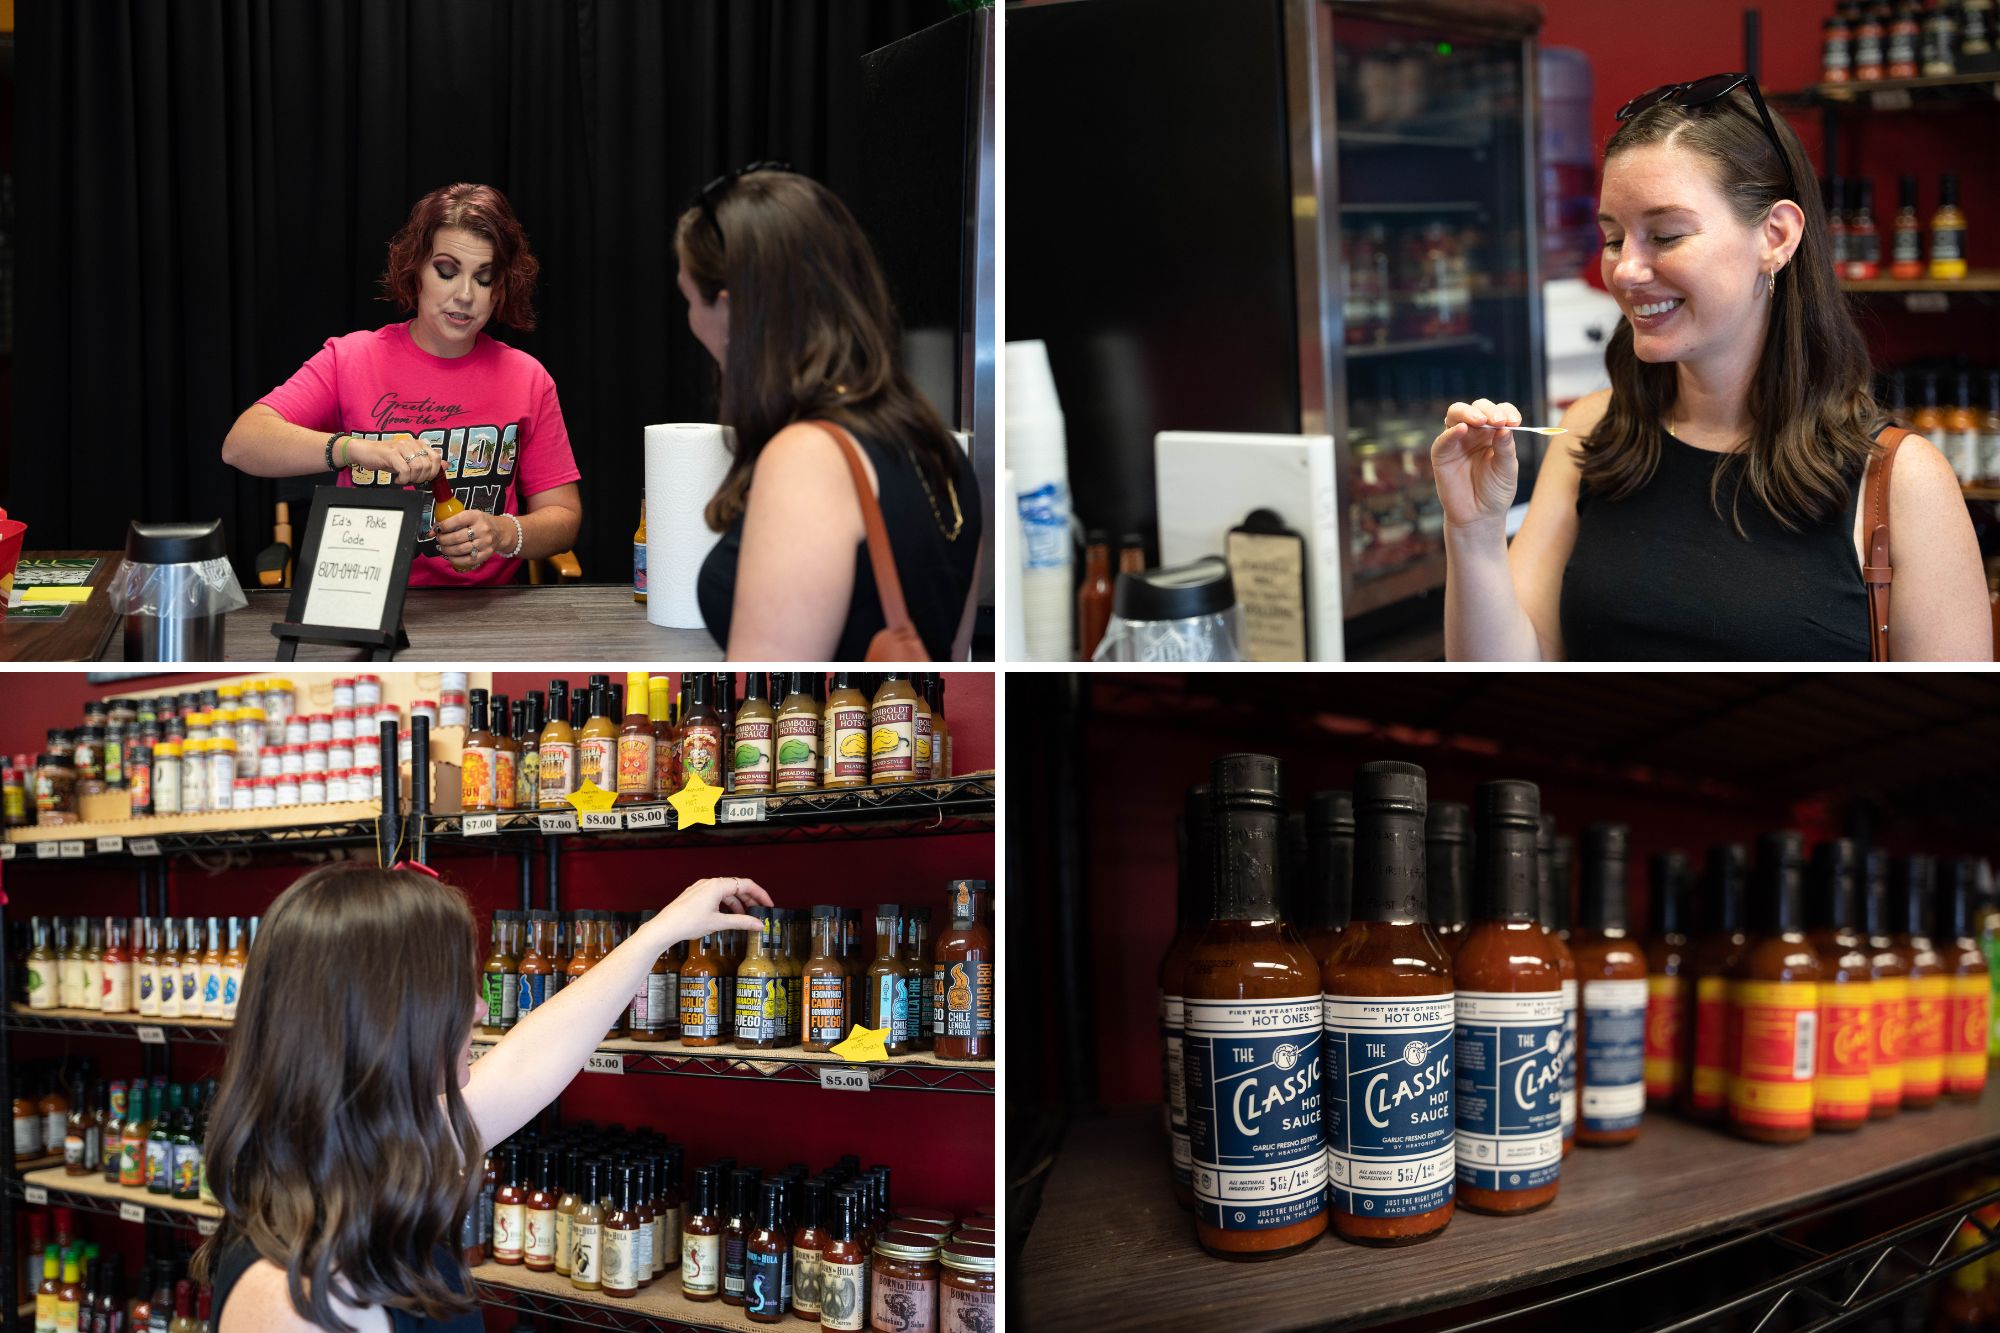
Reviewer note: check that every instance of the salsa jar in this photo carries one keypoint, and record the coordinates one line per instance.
(965, 1288)
(905, 1298)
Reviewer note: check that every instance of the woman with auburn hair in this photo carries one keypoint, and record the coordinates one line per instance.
(347, 1136)
(785, 293)
(1707, 506)
(395, 406)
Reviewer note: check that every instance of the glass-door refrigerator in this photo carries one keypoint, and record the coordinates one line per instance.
(1306, 217)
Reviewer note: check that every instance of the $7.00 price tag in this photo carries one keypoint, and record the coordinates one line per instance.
(131, 1212)
(564, 822)
(604, 1062)
(475, 825)
(844, 1080)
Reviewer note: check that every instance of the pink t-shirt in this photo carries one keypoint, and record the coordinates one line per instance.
(491, 413)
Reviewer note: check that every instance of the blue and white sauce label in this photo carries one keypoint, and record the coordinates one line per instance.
(1389, 1115)
(1569, 1060)
(1253, 1111)
(1614, 1055)
(1510, 1056)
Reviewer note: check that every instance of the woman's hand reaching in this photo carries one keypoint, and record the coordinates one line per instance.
(710, 905)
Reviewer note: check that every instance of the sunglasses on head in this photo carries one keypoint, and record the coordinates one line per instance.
(1702, 92)
(714, 190)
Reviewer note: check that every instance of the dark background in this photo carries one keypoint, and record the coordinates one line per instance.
(207, 191)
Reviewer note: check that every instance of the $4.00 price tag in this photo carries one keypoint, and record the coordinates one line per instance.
(152, 1036)
(604, 1062)
(114, 843)
(475, 825)
(558, 823)
(35, 1194)
(131, 1212)
(748, 811)
(844, 1080)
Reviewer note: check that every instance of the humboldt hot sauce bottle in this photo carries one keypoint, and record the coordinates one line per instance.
(1251, 1045)
(1967, 998)
(756, 765)
(797, 734)
(892, 736)
(941, 755)
(636, 769)
(701, 1240)
(701, 733)
(1774, 1005)
(1387, 992)
(1611, 1026)
(1668, 974)
(1912, 882)
(597, 745)
(476, 765)
(557, 748)
(538, 1249)
(921, 682)
(1448, 869)
(1891, 984)
(1841, 1095)
(1705, 1093)
(1545, 913)
(844, 727)
(1507, 1044)
(1327, 896)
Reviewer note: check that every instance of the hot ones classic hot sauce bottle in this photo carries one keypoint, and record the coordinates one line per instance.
(1328, 895)
(1193, 904)
(1545, 890)
(1508, 1041)
(1841, 1091)
(1389, 1024)
(1967, 998)
(1448, 870)
(1611, 1029)
(1912, 883)
(1668, 975)
(1705, 1093)
(1774, 1006)
(1252, 1039)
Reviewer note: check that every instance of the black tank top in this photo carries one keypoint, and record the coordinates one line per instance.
(236, 1260)
(936, 573)
(1659, 576)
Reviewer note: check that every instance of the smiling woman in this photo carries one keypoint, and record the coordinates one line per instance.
(401, 404)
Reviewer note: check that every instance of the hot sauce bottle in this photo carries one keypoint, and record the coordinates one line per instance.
(1611, 1026)
(510, 1209)
(1774, 1006)
(1948, 232)
(758, 998)
(1967, 998)
(1668, 976)
(700, 733)
(756, 748)
(703, 1011)
(809, 1240)
(586, 1230)
(1906, 256)
(557, 747)
(765, 1254)
(1891, 986)
(829, 988)
(538, 1249)
(962, 978)
(1841, 1093)
(941, 755)
(1864, 242)
(506, 755)
(1507, 1042)
(1326, 895)
(567, 1202)
(1251, 1049)
(843, 1273)
(797, 732)
(701, 1240)
(886, 995)
(621, 1239)
(917, 963)
(736, 1230)
(892, 735)
(1913, 881)
(921, 682)
(845, 732)
(636, 768)
(1545, 913)
(532, 970)
(1448, 869)
(476, 765)
(597, 744)
(527, 731)
(1705, 1092)
(503, 972)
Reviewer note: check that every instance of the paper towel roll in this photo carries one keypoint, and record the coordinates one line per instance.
(684, 465)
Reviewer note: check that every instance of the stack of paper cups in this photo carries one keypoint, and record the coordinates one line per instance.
(1017, 622)
(1038, 463)
(684, 466)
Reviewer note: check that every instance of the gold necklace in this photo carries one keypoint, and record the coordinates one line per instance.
(957, 516)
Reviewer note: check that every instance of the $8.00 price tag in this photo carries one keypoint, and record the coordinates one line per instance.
(655, 817)
(602, 820)
(844, 1080)
(475, 825)
(6, 851)
(605, 1062)
(131, 1212)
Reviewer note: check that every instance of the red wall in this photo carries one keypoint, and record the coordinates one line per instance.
(1632, 49)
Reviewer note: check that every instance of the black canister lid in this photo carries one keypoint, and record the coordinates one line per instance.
(174, 543)
(1200, 588)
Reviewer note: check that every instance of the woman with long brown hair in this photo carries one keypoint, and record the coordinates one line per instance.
(347, 1135)
(1707, 506)
(785, 293)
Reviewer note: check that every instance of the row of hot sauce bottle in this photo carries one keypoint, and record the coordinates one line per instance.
(155, 967)
(606, 1211)
(1463, 1059)
(773, 988)
(77, 1287)
(791, 732)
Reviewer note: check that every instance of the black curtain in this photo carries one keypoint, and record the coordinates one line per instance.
(207, 189)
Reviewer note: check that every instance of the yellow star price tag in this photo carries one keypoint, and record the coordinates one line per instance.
(695, 803)
(864, 1044)
(592, 799)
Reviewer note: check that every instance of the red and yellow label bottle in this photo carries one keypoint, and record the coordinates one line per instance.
(1775, 1024)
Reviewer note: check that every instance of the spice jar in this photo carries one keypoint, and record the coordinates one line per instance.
(167, 778)
(312, 789)
(267, 793)
(343, 692)
(288, 790)
(965, 1289)
(905, 1298)
(55, 790)
(336, 785)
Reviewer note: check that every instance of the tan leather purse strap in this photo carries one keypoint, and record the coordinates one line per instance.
(1875, 570)
(888, 587)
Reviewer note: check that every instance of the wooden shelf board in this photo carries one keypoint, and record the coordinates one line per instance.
(231, 821)
(1679, 1182)
(94, 1186)
(136, 1020)
(1975, 280)
(663, 1299)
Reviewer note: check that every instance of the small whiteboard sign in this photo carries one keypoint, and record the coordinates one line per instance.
(350, 576)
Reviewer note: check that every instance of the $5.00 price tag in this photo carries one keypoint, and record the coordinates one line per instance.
(35, 1194)
(131, 1212)
(114, 843)
(475, 825)
(152, 1036)
(844, 1080)
(605, 1062)
(558, 823)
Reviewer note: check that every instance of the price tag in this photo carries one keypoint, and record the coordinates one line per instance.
(6, 851)
(478, 1053)
(35, 1194)
(475, 825)
(749, 810)
(1926, 303)
(114, 843)
(144, 847)
(605, 1062)
(74, 847)
(844, 1080)
(655, 817)
(152, 1036)
(206, 1225)
(47, 851)
(1890, 99)
(597, 821)
(559, 823)
(131, 1212)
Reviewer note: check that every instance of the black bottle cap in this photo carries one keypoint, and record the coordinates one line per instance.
(771, 1213)
(1447, 821)
(847, 1212)
(1448, 861)
(1545, 880)
(1604, 902)
(812, 1203)
(1248, 796)
(1197, 885)
(1389, 805)
(1833, 888)
(1668, 877)
(743, 1190)
(705, 1191)
(1913, 892)
(1331, 813)
(1328, 899)
(1780, 893)
(1726, 876)
(1875, 906)
(591, 1187)
(1958, 899)
(1508, 865)
(1562, 868)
